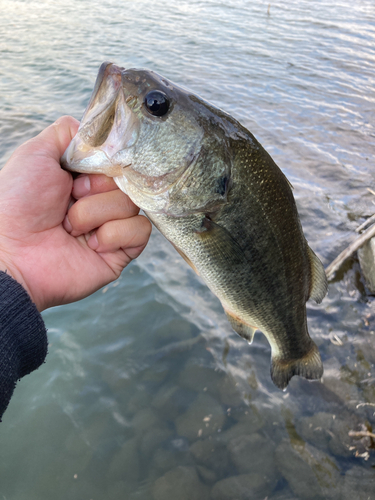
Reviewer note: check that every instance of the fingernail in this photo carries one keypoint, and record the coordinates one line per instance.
(93, 242)
(81, 186)
(67, 225)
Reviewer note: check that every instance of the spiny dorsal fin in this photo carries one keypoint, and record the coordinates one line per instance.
(310, 366)
(246, 331)
(319, 284)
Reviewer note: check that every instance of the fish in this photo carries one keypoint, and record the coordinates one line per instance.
(214, 192)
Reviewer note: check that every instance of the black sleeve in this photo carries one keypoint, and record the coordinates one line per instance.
(23, 337)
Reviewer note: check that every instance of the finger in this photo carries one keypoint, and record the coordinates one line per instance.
(91, 212)
(62, 132)
(85, 185)
(130, 235)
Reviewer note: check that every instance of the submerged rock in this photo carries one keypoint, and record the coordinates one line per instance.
(202, 378)
(359, 484)
(243, 487)
(311, 474)
(167, 459)
(125, 465)
(137, 402)
(212, 454)
(315, 429)
(229, 391)
(326, 431)
(239, 429)
(254, 454)
(204, 418)
(152, 439)
(181, 483)
(118, 489)
(144, 420)
(339, 380)
(207, 475)
(172, 400)
(285, 494)
(340, 443)
(250, 416)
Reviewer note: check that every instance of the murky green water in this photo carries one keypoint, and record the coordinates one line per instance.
(146, 393)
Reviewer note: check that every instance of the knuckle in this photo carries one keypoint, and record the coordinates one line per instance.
(146, 225)
(127, 233)
(78, 215)
(139, 232)
(109, 234)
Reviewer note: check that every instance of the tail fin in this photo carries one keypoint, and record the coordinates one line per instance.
(310, 366)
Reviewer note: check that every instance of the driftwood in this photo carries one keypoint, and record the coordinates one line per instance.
(353, 247)
(361, 434)
(370, 220)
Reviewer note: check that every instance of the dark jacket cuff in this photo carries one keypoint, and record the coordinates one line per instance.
(23, 336)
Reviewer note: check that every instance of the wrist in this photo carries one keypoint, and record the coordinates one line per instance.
(13, 272)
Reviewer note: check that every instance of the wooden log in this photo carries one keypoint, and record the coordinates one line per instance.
(353, 247)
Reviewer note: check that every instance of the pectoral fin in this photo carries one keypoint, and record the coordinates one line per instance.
(223, 248)
(319, 284)
(246, 331)
(186, 259)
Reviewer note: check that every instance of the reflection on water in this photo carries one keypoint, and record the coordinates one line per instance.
(146, 394)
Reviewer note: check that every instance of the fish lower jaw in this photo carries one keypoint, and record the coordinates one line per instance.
(97, 163)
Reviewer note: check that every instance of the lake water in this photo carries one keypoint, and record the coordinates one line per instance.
(146, 392)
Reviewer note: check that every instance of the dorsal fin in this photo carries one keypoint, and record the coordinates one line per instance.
(319, 284)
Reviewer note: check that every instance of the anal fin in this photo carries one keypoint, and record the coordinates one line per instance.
(309, 366)
(244, 330)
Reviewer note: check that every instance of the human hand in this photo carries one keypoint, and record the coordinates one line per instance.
(62, 255)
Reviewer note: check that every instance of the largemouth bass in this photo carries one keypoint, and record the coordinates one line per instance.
(217, 196)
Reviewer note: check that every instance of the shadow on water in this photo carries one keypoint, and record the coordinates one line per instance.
(146, 393)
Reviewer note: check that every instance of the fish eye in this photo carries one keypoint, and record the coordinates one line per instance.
(157, 103)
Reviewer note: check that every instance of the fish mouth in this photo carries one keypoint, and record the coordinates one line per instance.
(108, 126)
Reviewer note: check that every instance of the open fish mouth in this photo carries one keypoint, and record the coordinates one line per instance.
(108, 126)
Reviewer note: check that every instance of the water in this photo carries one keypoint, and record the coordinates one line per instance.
(146, 394)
